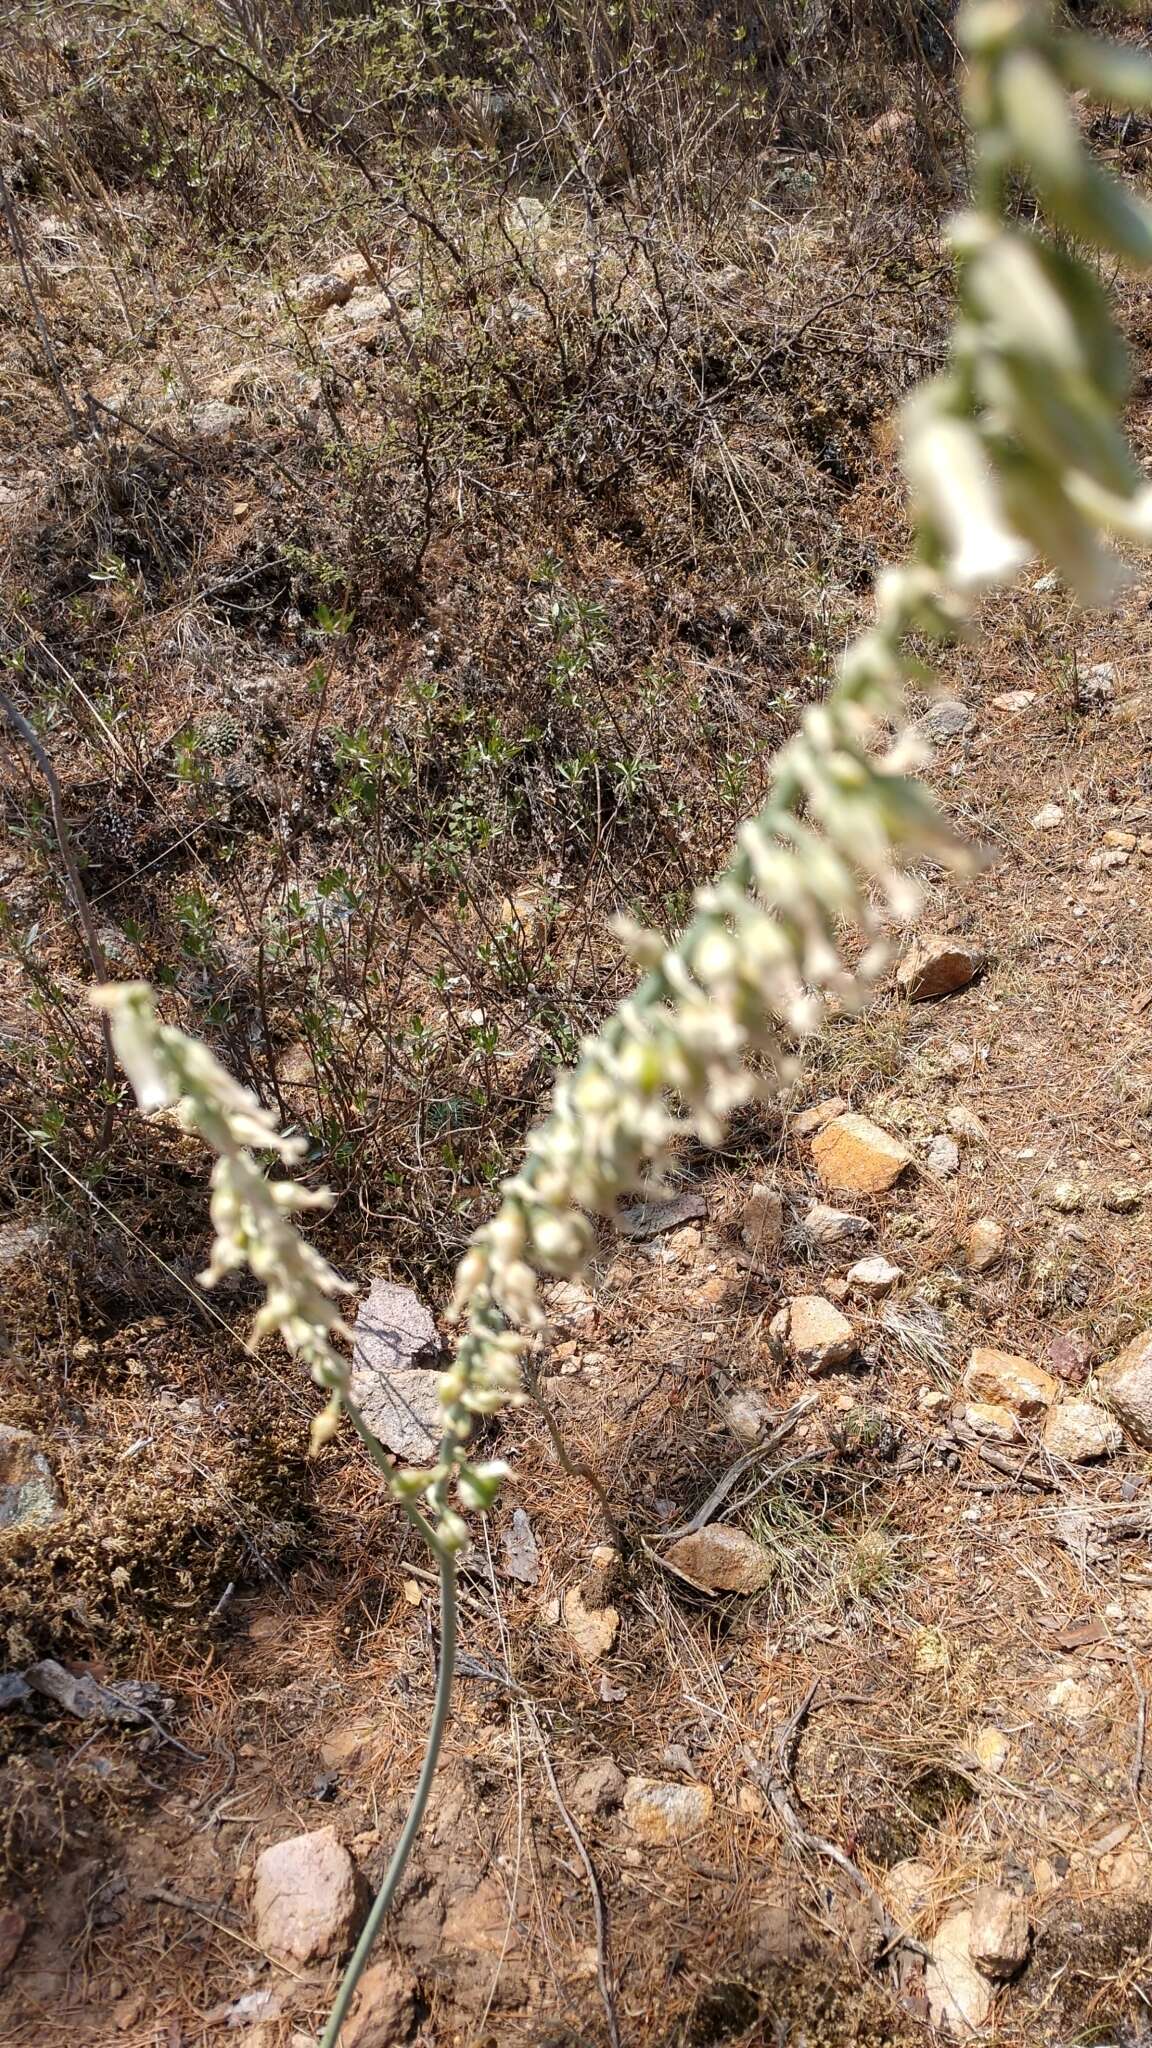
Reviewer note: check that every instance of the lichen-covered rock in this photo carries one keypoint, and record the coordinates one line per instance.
(1006, 1379)
(1126, 1385)
(659, 1812)
(28, 1496)
(854, 1155)
(308, 1900)
(1080, 1431)
(722, 1559)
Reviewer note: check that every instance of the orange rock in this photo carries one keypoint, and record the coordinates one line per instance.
(855, 1155)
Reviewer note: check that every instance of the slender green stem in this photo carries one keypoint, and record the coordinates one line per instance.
(412, 1825)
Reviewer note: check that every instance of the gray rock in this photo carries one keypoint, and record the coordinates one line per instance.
(651, 1219)
(946, 719)
(308, 1900)
(396, 1343)
(28, 1495)
(831, 1227)
(214, 421)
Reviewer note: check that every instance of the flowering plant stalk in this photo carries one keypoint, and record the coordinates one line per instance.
(1013, 452)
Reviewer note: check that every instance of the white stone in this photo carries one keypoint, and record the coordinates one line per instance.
(1048, 818)
(307, 1901)
(942, 1158)
(1080, 1431)
(959, 1997)
(874, 1277)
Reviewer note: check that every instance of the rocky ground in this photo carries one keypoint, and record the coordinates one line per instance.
(827, 1722)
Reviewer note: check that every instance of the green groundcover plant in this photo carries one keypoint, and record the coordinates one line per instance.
(1015, 452)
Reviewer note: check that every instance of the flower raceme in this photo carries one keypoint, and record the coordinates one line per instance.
(1015, 451)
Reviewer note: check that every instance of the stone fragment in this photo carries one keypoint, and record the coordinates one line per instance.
(748, 1414)
(1048, 818)
(1066, 1197)
(942, 1159)
(1069, 1357)
(307, 1900)
(593, 1629)
(854, 1155)
(965, 1125)
(721, 1559)
(321, 289)
(384, 2012)
(520, 1551)
(992, 1420)
(815, 1334)
(984, 1245)
(908, 1890)
(874, 1277)
(1123, 1197)
(762, 1224)
(830, 1227)
(598, 1789)
(991, 1750)
(1080, 1431)
(28, 1496)
(646, 1220)
(396, 1342)
(959, 1996)
(1126, 1385)
(812, 1120)
(660, 1812)
(998, 1933)
(214, 421)
(1005, 1377)
(937, 966)
(946, 719)
(1014, 700)
(13, 1928)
